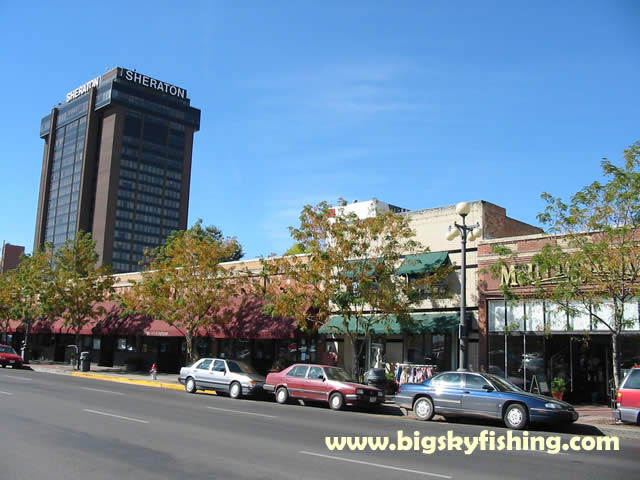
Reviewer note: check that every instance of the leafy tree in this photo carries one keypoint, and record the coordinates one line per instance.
(594, 263)
(80, 286)
(30, 286)
(185, 282)
(5, 301)
(349, 271)
(296, 249)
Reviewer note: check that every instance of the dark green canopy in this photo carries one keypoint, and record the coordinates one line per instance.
(423, 323)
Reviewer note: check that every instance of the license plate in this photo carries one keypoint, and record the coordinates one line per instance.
(372, 399)
(11, 361)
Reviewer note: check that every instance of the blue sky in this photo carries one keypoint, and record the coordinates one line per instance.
(417, 103)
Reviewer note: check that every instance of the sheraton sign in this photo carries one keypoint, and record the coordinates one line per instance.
(152, 83)
(82, 89)
(133, 77)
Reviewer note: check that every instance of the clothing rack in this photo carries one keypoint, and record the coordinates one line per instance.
(414, 372)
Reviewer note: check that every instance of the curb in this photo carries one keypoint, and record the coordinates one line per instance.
(132, 381)
(619, 432)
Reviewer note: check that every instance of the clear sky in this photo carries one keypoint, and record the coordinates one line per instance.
(417, 103)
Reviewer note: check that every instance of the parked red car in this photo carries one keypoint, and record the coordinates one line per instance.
(321, 383)
(8, 356)
(628, 398)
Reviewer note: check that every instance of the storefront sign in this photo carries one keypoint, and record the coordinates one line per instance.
(157, 333)
(154, 84)
(81, 90)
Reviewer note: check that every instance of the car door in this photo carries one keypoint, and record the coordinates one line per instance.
(447, 392)
(201, 373)
(217, 375)
(476, 399)
(316, 385)
(296, 379)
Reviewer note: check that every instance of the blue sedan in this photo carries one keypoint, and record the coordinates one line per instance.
(454, 394)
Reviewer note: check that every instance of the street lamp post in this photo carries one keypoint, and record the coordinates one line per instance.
(471, 232)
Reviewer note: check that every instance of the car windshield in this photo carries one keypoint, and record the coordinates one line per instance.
(7, 350)
(239, 367)
(504, 385)
(338, 374)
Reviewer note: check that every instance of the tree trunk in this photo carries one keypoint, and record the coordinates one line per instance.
(357, 352)
(615, 359)
(188, 337)
(78, 350)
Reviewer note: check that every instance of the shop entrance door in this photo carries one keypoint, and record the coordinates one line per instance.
(590, 367)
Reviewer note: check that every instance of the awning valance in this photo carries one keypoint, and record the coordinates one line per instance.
(422, 323)
(423, 263)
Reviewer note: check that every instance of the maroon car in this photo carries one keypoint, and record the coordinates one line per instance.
(320, 383)
(8, 356)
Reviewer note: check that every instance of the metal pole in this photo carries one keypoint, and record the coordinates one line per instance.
(462, 333)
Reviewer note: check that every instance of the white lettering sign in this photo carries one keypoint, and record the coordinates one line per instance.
(154, 84)
(81, 90)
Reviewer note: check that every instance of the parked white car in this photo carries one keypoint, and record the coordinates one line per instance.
(234, 377)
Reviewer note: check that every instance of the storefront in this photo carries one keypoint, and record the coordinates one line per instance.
(431, 340)
(531, 341)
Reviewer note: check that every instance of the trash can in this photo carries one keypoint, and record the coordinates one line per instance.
(376, 377)
(85, 361)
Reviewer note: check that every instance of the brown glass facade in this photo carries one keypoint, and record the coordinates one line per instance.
(117, 164)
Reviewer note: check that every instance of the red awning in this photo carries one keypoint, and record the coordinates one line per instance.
(243, 318)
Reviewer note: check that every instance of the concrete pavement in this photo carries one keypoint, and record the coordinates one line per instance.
(61, 426)
(597, 416)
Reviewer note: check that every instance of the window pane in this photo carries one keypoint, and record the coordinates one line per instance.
(556, 317)
(515, 316)
(580, 318)
(535, 316)
(496, 315)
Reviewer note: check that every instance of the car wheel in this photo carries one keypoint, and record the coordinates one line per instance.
(515, 416)
(336, 401)
(282, 395)
(190, 385)
(236, 390)
(423, 408)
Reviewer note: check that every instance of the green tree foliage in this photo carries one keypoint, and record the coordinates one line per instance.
(594, 262)
(296, 249)
(349, 271)
(185, 282)
(80, 286)
(6, 281)
(30, 287)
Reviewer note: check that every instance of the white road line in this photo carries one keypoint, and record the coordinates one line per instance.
(376, 465)
(18, 378)
(104, 391)
(244, 413)
(115, 416)
(6, 393)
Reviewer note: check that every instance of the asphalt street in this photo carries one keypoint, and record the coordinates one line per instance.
(62, 427)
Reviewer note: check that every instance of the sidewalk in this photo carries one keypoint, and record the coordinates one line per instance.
(594, 419)
(111, 374)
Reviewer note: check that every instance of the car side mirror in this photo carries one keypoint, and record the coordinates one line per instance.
(488, 388)
(321, 377)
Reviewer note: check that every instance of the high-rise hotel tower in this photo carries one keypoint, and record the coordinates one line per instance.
(117, 164)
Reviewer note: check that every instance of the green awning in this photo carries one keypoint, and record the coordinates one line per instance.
(423, 323)
(356, 268)
(423, 263)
